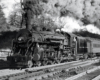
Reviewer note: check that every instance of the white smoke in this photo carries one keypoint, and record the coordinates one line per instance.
(69, 24)
(92, 28)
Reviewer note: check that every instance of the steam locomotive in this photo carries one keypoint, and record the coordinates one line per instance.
(39, 48)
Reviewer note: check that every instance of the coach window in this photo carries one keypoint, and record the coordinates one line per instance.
(81, 43)
(85, 43)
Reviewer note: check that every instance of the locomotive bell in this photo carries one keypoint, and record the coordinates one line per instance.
(37, 37)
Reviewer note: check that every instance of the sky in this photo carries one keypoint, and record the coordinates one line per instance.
(67, 21)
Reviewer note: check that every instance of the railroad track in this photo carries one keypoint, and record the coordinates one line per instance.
(92, 74)
(44, 71)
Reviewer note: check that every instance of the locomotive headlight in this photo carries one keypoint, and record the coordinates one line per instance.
(21, 38)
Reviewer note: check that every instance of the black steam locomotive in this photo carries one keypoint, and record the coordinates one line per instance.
(39, 48)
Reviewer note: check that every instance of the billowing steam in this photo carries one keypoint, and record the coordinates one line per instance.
(68, 24)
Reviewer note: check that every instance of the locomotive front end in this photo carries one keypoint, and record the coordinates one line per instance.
(19, 49)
